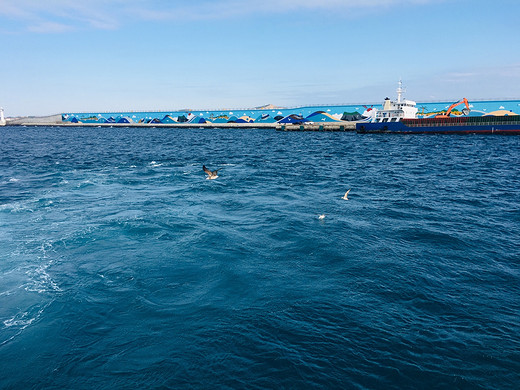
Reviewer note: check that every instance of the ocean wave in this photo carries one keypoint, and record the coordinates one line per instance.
(23, 320)
(85, 183)
(40, 280)
(17, 207)
(17, 323)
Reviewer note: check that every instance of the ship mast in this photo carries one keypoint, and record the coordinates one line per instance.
(399, 91)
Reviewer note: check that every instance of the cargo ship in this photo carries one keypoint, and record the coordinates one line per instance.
(400, 116)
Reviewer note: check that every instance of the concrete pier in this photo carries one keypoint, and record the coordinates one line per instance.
(50, 120)
(55, 120)
(325, 126)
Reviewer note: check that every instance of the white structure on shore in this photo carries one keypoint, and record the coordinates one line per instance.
(2, 119)
(394, 111)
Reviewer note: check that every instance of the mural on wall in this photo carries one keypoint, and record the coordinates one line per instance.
(297, 115)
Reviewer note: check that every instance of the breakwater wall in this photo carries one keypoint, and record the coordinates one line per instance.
(272, 115)
(35, 120)
(312, 118)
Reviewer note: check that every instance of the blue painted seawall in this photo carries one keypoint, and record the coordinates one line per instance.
(314, 114)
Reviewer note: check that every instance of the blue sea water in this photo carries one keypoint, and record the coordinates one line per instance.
(121, 266)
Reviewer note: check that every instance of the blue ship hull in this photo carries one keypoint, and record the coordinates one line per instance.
(455, 125)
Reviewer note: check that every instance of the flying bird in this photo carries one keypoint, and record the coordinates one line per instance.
(346, 195)
(211, 174)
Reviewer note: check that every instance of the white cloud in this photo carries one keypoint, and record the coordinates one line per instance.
(109, 14)
(50, 27)
(221, 9)
(62, 15)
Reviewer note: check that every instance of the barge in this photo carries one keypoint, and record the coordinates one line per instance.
(400, 116)
(452, 125)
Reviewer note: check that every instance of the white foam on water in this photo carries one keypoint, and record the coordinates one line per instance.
(20, 319)
(6, 293)
(15, 207)
(39, 279)
(85, 183)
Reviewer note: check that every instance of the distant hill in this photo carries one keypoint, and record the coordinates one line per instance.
(269, 107)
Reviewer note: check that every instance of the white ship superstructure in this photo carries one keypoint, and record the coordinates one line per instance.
(394, 111)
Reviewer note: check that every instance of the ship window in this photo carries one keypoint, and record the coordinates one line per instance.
(393, 119)
(385, 119)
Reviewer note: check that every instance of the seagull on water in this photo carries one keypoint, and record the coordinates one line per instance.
(346, 195)
(321, 216)
(211, 174)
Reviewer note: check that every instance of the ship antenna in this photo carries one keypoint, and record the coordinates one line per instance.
(399, 91)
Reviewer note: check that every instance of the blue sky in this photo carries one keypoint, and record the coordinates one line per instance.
(111, 55)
